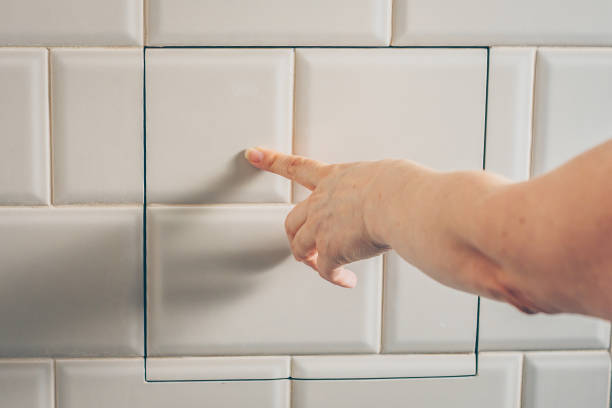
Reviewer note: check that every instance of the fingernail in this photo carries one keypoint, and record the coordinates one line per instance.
(253, 155)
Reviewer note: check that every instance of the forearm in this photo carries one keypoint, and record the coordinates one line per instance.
(543, 245)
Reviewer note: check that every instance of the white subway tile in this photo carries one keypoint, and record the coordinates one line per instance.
(97, 122)
(68, 22)
(567, 380)
(222, 281)
(26, 384)
(421, 315)
(503, 327)
(269, 22)
(498, 384)
(24, 126)
(427, 105)
(573, 103)
(484, 22)
(218, 368)
(204, 107)
(119, 383)
(509, 112)
(382, 366)
(72, 282)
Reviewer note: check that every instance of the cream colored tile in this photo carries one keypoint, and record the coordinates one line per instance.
(509, 116)
(573, 101)
(24, 126)
(498, 384)
(503, 327)
(204, 107)
(421, 315)
(72, 282)
(567, 379)
(427, 105)
(222, 281)
(97, 125)
(483, 22)
(269, 22)
(119, 383)
(68, 22)
(382, 366)
(26, 383)
(218, 368)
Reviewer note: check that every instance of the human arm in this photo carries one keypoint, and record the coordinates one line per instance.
(544, 245)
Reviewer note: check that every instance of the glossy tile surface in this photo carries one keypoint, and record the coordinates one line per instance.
(421, 315)
(567, 379)
(483, 22)
(218, 368)
(573, 101)
(222, 281)
(26, 384)
(97, 125)
(71, 282)
(204, 107)
(68, 22)
(502, 327)
(269, 22)
(509, 116)
(497, 385)
(119, 383)
(382, 366)
(24, 127)
(368, 104)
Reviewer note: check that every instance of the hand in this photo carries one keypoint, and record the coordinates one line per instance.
(328, 229)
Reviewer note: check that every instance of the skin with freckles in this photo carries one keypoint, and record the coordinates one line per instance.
(544, 245)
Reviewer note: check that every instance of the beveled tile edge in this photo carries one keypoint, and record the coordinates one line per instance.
(39, 198)
(217, 368)
(45, 365)
(382, 366)
(493, 138)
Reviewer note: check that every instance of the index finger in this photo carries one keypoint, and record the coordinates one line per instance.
(303, 170)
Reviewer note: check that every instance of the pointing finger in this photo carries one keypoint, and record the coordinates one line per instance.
(304, 171)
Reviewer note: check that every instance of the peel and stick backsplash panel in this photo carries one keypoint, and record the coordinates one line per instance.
(143, 262)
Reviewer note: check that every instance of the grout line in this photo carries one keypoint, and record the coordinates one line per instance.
(323, 46)
(391, 21)
(145, 21)
(144, 212)
(50, 129)
(522, 383)
(55, 393)
(383, 279)
(532, 112)
(293, 110)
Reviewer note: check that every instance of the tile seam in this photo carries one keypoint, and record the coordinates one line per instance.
(532, 113)
(51, 167)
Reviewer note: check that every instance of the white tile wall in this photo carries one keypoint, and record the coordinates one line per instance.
(421, 104)
(27, 383)
(269, 22)
(119, 383)
(503, 327)
(68, 22)
(24, 126)
(564, 380)
(497, 385)
(382, 366)
(204, 107)
(97, 122)
(218, 368)
(409, 296)
(509, 111)
(573, 96)
(71, 282)
(222, 281)
(484, 22)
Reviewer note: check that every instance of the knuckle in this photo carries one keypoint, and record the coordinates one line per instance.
(293, 164)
